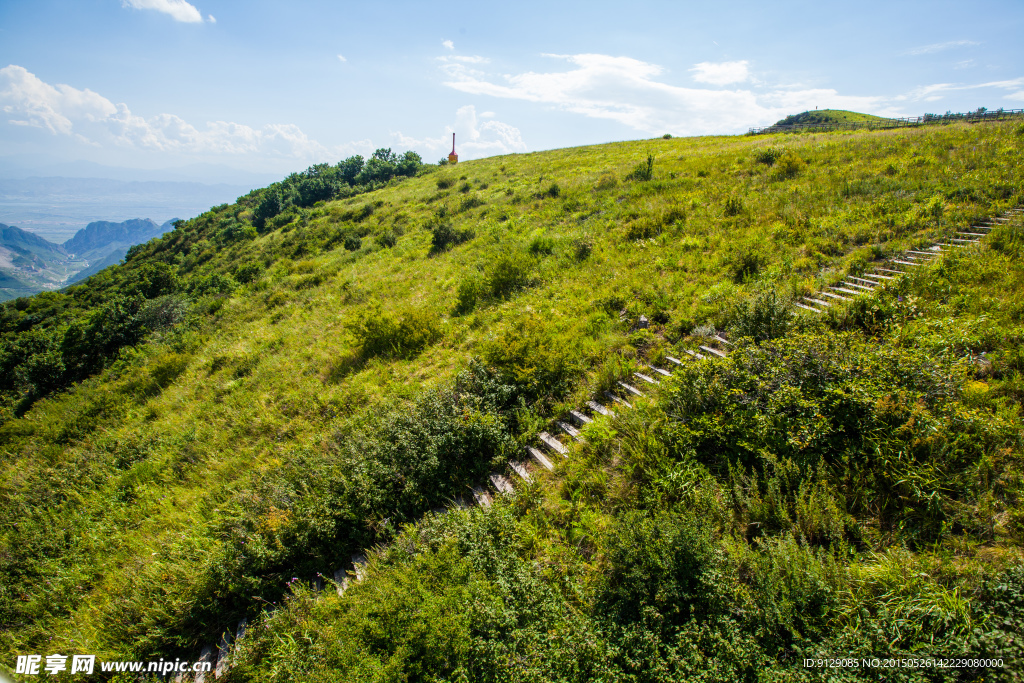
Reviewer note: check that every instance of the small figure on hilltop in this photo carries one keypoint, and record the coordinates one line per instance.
(453, 158)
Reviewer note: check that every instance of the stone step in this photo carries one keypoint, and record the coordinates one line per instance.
(501, 483)
(807, 308)
(722, 339)
(929, 254)
(958, 246)
(698, 356)
(207, 656)
(660, 371)
(553, 443)
(870, 283)
(223, 655)
(670, 359)
(579, 418)
(834, 296)
(889, 270)
(630, 388)
(904, 263)
(880, 277)
(616, 399)
(540, 458)
(520, 469)
(854, 284)
(817, 301)
(359, 566)
(713, 351)
(848, 291)
(645, 378)
(482, 498)
(599, 409)
(973, 234)
(340, 580)
(569, 429)
(953, 239)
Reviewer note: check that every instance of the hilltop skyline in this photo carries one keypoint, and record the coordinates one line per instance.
(169, 83)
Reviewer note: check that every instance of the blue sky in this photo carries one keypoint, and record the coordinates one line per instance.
(273, 86)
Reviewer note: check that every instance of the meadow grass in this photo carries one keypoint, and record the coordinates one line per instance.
(185, 485)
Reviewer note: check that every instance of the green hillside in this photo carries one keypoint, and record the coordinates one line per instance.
(820, 116)
(191, 438)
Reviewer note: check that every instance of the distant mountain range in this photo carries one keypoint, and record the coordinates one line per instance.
(31, 264)
(56, 208)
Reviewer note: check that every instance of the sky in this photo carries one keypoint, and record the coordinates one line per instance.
(272, 87)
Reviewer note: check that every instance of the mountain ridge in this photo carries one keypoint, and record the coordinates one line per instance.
(30, 263)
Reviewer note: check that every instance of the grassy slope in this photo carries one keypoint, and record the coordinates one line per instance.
(828, 116)
(128, 494)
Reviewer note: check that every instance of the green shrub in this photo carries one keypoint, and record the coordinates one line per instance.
(767, 317)
(353, 243)
(470, 291)
(643, 228)
(582, 248)
(470, 203)
(665, 563)
(789, 165)
(768, 156)
(401, 334)
(509, 271)
(643, 170)
(446, 236)
(552, 191)
(542, 245)
(388, 238)
(747, 263)
(606, 182)
(248, 272)
(166, 368)
(534, 357)
(733, 206)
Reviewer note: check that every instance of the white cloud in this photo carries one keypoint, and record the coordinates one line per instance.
(722, 73)
(939, 47)
(472, 138)
(936, 91)
(448, 44)
(342, 58)
(212, 19)
(1019, 95)
(26, 100)
(465, 59)
(179, 10)
(630, 91)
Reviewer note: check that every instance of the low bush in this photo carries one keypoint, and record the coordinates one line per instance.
(643, 170)
(768, 155)
(470, 291)
(445, 236)
(509, 272)
(766, 317)
(536, 359)
(401, 334)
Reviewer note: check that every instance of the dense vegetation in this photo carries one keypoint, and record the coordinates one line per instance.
(252, 398)
(828, 116)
